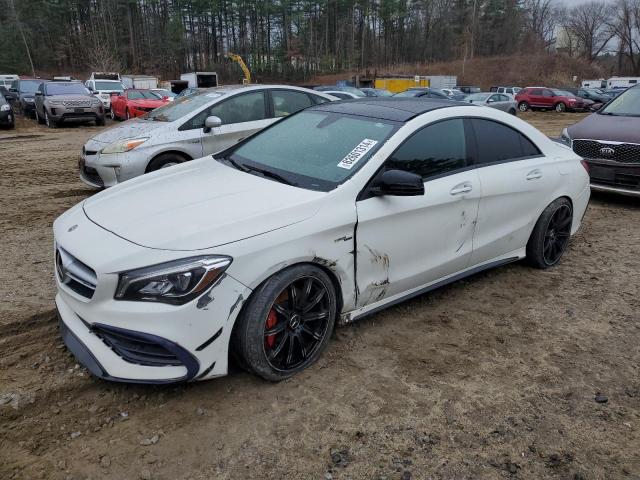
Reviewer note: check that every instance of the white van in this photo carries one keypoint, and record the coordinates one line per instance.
(5, 80)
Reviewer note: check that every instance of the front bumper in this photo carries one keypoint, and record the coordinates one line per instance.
(61, 113)
(99, 170)
(614, 177)
(150, 343)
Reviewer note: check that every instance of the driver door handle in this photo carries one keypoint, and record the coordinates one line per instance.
(461, 188)
(534, 174)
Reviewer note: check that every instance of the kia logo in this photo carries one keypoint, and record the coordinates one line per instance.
(607, 151)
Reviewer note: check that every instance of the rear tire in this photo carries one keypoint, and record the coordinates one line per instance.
(163, 161)
(523, 106)
(551, 235)
(302, 323)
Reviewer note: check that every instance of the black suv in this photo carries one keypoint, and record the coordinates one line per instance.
(23, 93)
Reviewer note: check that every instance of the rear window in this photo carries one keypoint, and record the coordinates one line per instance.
(497, 142)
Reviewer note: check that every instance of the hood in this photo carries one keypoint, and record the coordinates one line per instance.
(130, 129)
(607, 127)
(147, 103)
(71, 98)
(197, 205)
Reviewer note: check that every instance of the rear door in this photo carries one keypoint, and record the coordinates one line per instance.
(548, 98)
(535, 97)
(242, 115)
(516, 181)
(406, 242)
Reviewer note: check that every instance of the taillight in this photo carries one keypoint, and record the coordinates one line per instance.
(585, 165)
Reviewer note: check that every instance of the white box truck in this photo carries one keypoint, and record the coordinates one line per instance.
(200, 79)
(598, 83)
(146, 82)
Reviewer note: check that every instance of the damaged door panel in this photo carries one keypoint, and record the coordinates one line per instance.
(405, 242)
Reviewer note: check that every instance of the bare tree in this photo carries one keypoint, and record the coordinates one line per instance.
(541, 21)
(625, 25)
(587, 26)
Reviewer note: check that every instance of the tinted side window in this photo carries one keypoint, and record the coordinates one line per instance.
(317, 99)
(535, 91)
(286, 102)
(497, 142)
(434, 150)
(242, 108)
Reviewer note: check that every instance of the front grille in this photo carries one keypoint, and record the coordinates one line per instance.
(74, 274)
(623, 152)
(76, 103)
(136, 348)
(615, 176)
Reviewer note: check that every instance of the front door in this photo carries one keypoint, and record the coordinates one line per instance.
(406, 242)
(241, 115)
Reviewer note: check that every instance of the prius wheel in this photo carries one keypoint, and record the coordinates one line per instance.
(163, 161)
(287, 323)
(551, 234)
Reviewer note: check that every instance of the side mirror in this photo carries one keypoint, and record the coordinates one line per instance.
(490, 100)
(38, 94)
(399, 183)
(211, 122)
(13, 90)
(596, 106)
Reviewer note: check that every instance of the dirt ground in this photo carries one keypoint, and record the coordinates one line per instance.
(492, 377)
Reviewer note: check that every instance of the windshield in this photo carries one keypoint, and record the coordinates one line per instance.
(478, 97)
(314, 149)
(626, 104)
(111, 86)
(54, 88)
(181, 106)
(165, 93)
(142, 95)
(562, 93)
(29, 86)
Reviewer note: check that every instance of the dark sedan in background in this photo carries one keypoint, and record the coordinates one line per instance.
(609, 141)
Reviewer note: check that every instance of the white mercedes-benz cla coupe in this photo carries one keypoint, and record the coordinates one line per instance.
(324, 217)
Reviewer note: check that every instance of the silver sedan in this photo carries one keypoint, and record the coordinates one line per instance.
(187, 128)
(501, 101)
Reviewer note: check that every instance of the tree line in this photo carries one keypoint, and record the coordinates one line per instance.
(295, 39)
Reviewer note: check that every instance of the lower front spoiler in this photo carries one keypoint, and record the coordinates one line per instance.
(89, 361)
(613, 189)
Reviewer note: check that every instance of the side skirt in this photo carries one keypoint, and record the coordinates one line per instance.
(350, 317)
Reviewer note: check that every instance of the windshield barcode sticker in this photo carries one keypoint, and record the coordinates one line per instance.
(357, 153)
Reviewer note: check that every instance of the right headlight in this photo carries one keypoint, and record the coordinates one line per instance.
(122, 146)
(565, 138)
(176, 282)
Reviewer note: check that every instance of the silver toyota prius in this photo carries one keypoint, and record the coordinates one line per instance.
(188, 128)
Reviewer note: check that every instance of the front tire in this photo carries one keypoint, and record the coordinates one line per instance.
(127, 114)
(48, 121)
(112, 114)
(513, 111)
(560, 107)
(100, 122)
(551, 234)
(523, 106)
(287, 323)
(163, 161)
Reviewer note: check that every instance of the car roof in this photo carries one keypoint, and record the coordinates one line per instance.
(396, 109)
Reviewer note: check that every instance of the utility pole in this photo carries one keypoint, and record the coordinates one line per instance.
(24, 39)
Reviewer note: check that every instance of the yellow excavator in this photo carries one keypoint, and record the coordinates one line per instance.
(238, 59)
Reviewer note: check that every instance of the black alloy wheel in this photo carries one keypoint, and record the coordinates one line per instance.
(557, 234)
(296, 324)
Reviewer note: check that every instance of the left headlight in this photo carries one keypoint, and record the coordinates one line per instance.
(5, 107)
(122, 146)
(176, 282)
(565, 138)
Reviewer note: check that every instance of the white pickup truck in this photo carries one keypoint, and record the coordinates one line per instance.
(103, 84)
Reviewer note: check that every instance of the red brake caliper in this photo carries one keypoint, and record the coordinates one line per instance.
(272, 320)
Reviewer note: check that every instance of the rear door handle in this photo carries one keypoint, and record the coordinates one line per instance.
(534, 174)
(460, 189)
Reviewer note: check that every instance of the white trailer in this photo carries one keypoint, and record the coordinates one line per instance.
(625, 82)
(442, 81)
(200, 79)
(597, 83)
(140, 81)
(6, 80)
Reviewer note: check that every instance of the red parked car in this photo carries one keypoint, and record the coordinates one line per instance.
(549, 99)
(135, 103)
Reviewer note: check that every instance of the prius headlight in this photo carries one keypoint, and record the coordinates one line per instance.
(122, 146)
(175, 282)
